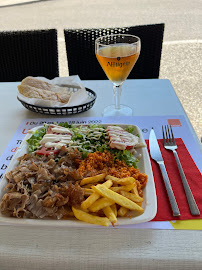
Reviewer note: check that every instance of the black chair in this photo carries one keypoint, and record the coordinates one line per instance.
(80, 48)
(24, 53)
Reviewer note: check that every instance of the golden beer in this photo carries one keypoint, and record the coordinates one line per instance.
(117, 61)
(117, 54)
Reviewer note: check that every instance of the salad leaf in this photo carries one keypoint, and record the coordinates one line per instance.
(88, 139)
(130, 129)
(77, 136)
(34, 141)
(65, 124)
(126, 156)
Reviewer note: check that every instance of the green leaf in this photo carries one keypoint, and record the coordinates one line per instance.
(65, 124)
(34, 141)
(126, 156)
(130, 129)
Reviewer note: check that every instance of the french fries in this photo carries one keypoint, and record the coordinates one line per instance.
(134, 190)
(94, 179)
(94, 197)
(117, 198)
(108, 197)
(122, 212)
(123, 188)
(114, 209)
(100, 204)
(83, 216)
(110, 214)
(131, 196)
(88, 191)
(121, 181)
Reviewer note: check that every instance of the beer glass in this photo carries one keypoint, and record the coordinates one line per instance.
(117, 55)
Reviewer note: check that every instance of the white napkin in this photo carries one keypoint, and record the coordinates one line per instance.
(78, 97)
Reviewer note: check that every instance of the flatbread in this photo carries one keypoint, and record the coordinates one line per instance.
(34, 88)
(37, 83)
(31, 81)
(33, 92)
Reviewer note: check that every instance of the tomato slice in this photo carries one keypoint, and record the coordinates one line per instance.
(43, 151)
(46, 152)
(49, 131)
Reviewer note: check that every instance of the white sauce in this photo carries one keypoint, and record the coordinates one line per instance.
(121, 139)
(59, 129)
(56, 141)
(114, 128)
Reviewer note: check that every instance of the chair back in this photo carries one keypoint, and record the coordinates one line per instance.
(28, 53)
(80, 48)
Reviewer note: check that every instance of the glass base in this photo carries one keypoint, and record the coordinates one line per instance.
(123, 111)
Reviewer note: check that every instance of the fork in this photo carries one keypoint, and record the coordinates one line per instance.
(169, 144)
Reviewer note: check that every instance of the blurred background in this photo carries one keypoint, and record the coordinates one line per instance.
(182, 45)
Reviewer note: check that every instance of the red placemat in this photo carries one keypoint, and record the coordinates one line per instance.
(194, 178)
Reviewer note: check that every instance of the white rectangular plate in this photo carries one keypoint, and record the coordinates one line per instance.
(149, 193)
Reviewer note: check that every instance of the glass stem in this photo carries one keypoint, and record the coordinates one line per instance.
(117, 96)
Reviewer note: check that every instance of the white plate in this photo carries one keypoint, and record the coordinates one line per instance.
(149, 193)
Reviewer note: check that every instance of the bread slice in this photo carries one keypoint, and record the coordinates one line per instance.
(33, 92)
(34, 88)
(37, 83)
(33, 82)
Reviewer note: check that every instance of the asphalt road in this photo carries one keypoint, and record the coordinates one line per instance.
(182, 47)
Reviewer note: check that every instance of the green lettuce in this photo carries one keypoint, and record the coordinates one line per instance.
(34, 141)
(126, 156)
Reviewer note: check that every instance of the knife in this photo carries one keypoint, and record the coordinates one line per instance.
(155, 153)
